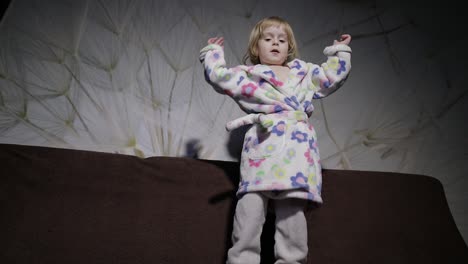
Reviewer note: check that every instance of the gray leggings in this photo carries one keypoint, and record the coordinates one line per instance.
(290, 234)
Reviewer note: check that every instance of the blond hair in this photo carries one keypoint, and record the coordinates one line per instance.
(256, 34)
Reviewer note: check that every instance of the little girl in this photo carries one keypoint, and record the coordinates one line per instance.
(280, 158)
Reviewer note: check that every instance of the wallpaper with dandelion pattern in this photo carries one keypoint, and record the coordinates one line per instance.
(124, 77)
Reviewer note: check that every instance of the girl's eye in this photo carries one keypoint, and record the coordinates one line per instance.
(282, 40)
(267, 39)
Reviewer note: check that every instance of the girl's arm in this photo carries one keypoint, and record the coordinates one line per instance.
(333, 73)
(224, 80)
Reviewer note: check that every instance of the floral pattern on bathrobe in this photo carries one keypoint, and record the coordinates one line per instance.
(280, 156)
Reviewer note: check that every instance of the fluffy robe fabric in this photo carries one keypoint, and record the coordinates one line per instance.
(280, 155)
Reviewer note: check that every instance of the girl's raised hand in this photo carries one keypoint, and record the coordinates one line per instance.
(216, 40)
(345, 39)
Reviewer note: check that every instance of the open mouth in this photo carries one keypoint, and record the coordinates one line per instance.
(275, 51)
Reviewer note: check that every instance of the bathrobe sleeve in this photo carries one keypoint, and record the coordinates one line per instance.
(224, 80)
(328, 77)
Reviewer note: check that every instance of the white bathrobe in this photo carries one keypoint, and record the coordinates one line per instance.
(280, 156)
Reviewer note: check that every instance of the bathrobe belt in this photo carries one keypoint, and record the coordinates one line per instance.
(267, 120)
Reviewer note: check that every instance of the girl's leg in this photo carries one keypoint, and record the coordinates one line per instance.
(247, 229)
(291, 231)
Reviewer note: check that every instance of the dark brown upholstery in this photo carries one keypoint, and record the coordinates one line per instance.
(71, 206)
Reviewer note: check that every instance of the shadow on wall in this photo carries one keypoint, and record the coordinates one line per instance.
(234, 145)
(236, 142)
(3, 7)
(192, 148)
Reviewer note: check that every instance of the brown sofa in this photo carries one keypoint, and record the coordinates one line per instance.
(72, 206)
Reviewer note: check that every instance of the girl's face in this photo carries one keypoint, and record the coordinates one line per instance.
(273, 46)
